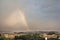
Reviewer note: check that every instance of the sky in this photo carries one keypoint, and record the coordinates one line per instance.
(39, 15)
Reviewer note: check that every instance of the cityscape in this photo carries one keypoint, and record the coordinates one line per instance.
(29, 19)
(36, 35)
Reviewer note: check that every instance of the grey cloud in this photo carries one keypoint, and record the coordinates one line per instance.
(43, 14)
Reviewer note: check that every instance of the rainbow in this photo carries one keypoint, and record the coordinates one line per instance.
(23, 18)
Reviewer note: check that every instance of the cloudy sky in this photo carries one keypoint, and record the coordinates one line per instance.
(39, 15)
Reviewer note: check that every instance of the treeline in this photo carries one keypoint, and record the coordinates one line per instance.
(34, 36)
